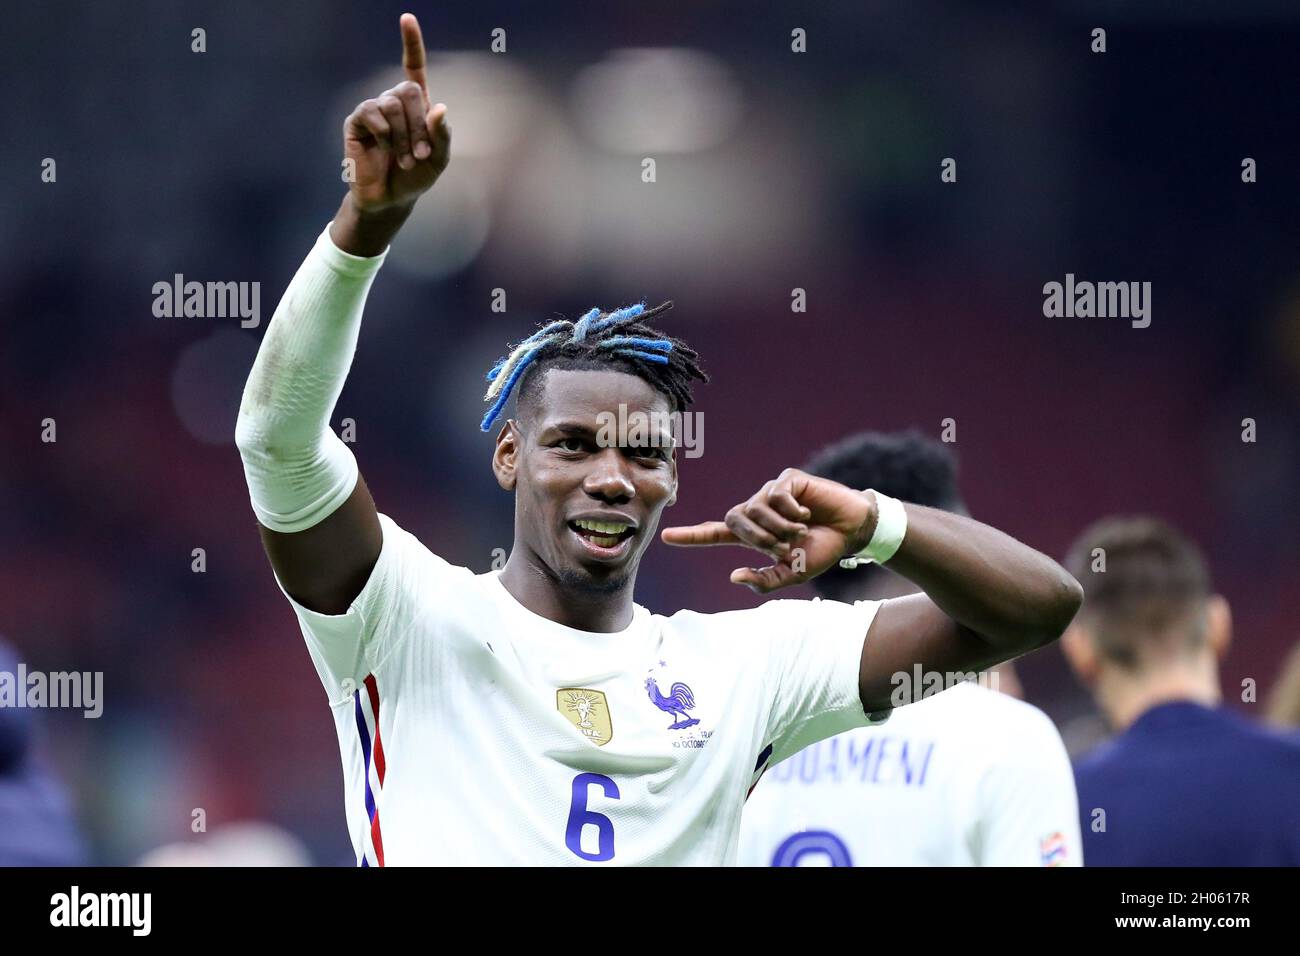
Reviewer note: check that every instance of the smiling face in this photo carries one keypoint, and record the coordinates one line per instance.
(587, 508)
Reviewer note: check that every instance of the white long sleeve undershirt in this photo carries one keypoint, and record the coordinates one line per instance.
(299, 472)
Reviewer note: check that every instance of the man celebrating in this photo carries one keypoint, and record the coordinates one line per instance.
(536, 714)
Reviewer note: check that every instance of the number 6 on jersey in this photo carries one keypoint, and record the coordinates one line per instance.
(580, 816)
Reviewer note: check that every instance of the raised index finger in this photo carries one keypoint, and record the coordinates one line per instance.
(413, 51)
(697, 535)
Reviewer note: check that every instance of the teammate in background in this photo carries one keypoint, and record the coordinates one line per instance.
(37, 827)
(536, 714)
(1282, 708)
(968, 777)
(1186, 782)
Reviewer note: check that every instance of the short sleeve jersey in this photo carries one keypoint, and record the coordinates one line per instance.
(474, 731)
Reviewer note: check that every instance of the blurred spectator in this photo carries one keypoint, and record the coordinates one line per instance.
(36, 821)
(1186, 783)
(249, 843)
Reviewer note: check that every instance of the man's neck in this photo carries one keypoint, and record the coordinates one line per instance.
(1124, 698)
(534, 586)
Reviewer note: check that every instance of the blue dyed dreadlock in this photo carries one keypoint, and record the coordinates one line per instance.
(665, 362)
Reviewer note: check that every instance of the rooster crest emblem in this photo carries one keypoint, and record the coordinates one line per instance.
(678, 701)
(587, 710)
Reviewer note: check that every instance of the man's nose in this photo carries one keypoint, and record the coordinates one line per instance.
(608, 477)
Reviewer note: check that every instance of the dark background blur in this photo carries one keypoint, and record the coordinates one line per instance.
(776, 171)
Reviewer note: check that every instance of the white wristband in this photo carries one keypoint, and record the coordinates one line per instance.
(891, 526)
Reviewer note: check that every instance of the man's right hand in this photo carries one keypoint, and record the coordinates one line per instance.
(397, 145)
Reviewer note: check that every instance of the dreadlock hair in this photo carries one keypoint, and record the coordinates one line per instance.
(620, 340)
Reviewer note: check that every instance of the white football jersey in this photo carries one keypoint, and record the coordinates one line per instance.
(968, 777)
(474, 731)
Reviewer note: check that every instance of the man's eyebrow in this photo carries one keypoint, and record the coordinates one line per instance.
(576, 429)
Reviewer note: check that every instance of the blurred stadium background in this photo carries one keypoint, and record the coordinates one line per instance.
(776, 171)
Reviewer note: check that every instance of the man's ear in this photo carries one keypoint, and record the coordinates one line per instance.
(1218, 626)
(1081, 653)
(672, 498)
(505, 457)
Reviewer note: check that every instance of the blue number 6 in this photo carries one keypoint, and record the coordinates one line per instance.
(580, 816)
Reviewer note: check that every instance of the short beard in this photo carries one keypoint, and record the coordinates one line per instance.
(577, 581)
